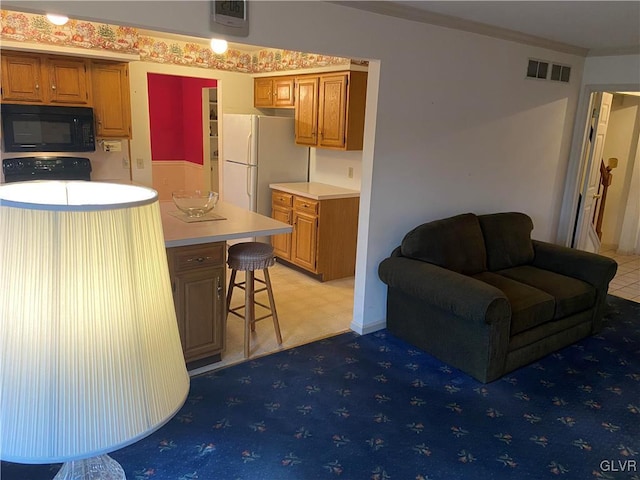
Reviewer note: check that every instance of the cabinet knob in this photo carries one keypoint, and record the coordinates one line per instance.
(53, 87)
(198, 259)
(37, 86)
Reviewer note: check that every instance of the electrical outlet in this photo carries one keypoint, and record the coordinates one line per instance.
(125, 162)
(140, 163)
(350, 174)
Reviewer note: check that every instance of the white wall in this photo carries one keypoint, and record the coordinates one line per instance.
(621, 142)
(332, 167)
(452, 124)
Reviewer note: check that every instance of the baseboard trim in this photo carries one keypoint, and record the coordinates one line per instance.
(373, 327)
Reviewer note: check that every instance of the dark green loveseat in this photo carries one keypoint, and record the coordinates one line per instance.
(479, 294)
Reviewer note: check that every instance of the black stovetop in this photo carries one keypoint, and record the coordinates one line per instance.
(46, 168)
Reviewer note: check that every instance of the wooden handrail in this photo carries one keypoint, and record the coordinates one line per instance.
(605, 181)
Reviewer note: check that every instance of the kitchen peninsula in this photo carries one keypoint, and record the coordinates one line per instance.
(196, 252)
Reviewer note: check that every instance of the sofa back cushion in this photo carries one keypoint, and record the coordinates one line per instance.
(507, 237)
(455, 243)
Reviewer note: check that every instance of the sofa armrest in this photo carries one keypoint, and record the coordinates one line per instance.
(452, 292)
(597, 270)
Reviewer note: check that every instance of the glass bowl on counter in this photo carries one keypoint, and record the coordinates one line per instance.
(195, 203)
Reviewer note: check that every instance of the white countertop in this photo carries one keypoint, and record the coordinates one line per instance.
(317, 191)
(238, 223)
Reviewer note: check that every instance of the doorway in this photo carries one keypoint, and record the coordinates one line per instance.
(612, 151)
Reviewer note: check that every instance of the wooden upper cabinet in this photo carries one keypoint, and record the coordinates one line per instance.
(306, 110)
(262, 92)
(22, 78)
(338, 119)
(42, 79)
(111, 101)
(68, 81)
(332, 108)
(283, 88)
(273, 92)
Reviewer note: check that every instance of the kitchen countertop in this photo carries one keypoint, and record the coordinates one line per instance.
(238, 223)
(314, 190)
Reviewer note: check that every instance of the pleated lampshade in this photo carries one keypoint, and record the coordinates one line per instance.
(90, 353)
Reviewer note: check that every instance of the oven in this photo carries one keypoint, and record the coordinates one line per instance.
(46, 168)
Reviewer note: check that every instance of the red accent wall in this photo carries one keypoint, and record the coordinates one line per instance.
(175, 116)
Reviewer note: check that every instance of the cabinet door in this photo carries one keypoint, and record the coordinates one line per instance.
(68, 81)
(304, 240)
(263, 92)
(281, 243)
(283, 92)
(199, 308)
(306, 110)
(332, 111)
(22, 78)
(112, 107)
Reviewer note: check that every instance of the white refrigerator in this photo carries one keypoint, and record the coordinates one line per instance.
(258, 150)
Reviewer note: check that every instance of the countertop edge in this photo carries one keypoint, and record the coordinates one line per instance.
(322, 196)
(183, 242)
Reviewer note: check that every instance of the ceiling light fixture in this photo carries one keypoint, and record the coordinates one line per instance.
(57, 19)
(218, 45)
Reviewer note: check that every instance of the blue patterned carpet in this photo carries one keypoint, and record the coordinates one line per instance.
(372, 407)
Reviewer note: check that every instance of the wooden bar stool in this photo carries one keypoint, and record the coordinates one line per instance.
(248, 257)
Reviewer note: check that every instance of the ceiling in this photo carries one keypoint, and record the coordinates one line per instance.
(582, 27)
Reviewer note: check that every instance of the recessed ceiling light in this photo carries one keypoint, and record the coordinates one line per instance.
(218, 46)
(57, 19)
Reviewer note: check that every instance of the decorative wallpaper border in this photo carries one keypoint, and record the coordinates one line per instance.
(31, 28)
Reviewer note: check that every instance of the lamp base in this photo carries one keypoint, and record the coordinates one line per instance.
(102, 467)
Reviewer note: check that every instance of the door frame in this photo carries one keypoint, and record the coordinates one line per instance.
(577, 162)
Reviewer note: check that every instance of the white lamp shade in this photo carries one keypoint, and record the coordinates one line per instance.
(90, 353)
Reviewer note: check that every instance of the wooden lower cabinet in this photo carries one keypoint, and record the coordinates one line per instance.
(198, 282)
(324, 235)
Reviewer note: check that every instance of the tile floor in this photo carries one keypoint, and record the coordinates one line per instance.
(308, 310)
(626, 283)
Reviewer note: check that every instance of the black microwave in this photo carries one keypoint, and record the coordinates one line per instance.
(39, 128)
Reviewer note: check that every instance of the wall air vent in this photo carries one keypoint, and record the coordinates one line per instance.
(560, 73)
(537, 69)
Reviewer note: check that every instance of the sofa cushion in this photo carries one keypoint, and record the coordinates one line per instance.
(507, 238)
(530, 306)
(571, 295)
(455, 243)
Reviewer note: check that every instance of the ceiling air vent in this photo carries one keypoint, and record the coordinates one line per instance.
(560, 73)
(537, 69)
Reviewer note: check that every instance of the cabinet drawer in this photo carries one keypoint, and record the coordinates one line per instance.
(307, 205)
(198, 256)
(281, 198)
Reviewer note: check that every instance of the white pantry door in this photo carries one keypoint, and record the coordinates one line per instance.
(588, 239)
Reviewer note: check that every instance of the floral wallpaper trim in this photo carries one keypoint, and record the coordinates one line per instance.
(26, 27)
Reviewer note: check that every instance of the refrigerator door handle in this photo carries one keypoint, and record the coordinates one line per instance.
(249, 147)
(249, 193)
